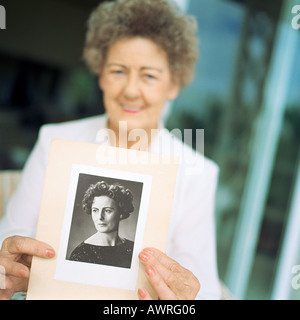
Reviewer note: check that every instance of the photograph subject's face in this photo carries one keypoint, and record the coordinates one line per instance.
(105, 214)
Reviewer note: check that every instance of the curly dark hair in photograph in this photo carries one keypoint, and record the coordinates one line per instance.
(121, 195)
(161, 21)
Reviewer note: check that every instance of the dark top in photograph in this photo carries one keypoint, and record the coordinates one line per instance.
(118, 256)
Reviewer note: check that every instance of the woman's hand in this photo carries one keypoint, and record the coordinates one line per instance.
(15, 261)
(167, 277)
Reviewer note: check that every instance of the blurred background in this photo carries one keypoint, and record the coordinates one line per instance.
(245, 96)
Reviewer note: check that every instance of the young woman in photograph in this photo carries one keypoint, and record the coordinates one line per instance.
(107, 204)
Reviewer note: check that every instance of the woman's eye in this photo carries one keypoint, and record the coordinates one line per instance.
(117, 72)
(108, 211)
(150, 77)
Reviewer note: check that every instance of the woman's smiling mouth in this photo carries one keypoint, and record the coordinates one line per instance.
(132, 109)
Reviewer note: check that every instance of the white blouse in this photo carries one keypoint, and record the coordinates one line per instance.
(191, 237)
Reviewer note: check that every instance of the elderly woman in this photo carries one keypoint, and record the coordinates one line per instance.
(144, 53)
(108, 205)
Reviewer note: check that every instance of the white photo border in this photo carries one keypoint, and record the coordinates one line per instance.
(96, 274)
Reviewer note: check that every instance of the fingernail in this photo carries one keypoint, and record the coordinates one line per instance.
(150, 271)
(50, 253)
(143, 256)
(148, 250)
(142, 293)
(24, 274)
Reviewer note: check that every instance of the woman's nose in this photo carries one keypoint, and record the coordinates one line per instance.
(131, 89)
(101, 217)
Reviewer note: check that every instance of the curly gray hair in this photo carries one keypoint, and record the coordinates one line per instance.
(161, 21)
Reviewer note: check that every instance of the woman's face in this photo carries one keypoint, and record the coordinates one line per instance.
(105, 214)
(136, 83)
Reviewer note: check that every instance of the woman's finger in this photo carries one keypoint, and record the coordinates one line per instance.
(12, 268)
(159, 285)
(144, 294)
(167, 267)
(182, 283)
(24, 245)
(162, 257)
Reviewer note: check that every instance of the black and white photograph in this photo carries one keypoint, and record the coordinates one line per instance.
(103, 226)
(104, 220)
